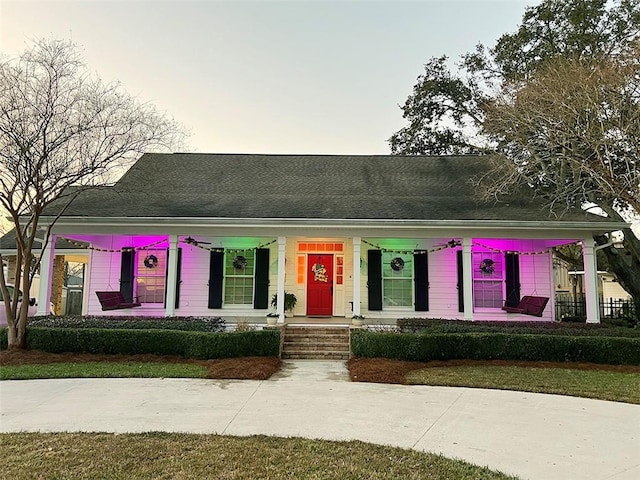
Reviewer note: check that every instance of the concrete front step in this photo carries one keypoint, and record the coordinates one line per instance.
(340, 339)
(315, 355)
(321, 345)
(317, 330)
(316, 343)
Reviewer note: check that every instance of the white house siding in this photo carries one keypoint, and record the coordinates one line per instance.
(536, 279)
(104, 274)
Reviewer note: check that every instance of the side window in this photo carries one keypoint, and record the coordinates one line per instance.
(239, 270)
(488, 277)
(151, 268)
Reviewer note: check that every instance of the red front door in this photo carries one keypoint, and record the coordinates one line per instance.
(320, 284)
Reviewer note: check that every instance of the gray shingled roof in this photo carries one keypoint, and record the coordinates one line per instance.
(305, 186)
(8, 242)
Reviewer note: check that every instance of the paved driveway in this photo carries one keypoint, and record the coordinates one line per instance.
(532, 435)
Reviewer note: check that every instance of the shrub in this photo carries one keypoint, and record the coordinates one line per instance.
(492, 346)
(200, 345)
(440, 325)
(199, 324)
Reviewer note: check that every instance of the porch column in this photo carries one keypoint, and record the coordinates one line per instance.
(356, 276)
(590, 280)
(467, 278)
(46, 273)
(282, 243)
(172, 277)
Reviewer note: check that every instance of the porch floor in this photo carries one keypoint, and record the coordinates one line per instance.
(337, 321)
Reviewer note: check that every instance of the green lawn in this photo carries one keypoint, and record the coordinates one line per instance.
(600, 384)
(188, 456)
(102, 369)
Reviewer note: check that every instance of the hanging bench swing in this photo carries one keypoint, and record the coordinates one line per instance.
(114, 301)
(529, 304)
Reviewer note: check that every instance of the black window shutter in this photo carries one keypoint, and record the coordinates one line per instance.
(178, 281)
(460, 285)
(261, 290)
(216, 269)
(127, 269)
(512, 279)
(178, 278)
(374, 282)
(421, 281)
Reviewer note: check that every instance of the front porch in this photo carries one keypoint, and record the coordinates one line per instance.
(245, 278)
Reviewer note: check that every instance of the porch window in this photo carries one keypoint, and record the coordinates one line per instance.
(397, 280)
(488, 277)
(151, 268)
(239, 271)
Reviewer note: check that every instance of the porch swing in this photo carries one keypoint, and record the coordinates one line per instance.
(111, 299)
(533, 305)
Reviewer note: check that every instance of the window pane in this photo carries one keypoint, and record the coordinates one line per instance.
(151, 267)
(488, 279)
(397, 280)
(488, 294)
(239, 269)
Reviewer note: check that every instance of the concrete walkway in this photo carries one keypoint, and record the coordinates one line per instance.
(531, 435)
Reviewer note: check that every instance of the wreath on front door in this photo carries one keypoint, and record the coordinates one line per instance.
(319, 272)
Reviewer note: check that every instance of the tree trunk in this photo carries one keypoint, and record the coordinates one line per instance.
(625, 263)
(16, 334)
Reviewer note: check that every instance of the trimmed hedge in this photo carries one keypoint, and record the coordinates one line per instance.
(441, 325)
(200, 345)
(197, 324)
(496, 346)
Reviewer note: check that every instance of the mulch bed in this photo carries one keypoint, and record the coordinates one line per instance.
(376, 370)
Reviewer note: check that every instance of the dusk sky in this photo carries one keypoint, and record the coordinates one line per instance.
(267, 76)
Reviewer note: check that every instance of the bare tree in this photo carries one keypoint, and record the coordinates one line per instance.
(572, 132)
(62, 131)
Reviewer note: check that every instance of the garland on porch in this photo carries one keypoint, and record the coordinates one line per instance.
(516, 252)
(164, 240)
(112, 250)
(450, 244)
(229, 250)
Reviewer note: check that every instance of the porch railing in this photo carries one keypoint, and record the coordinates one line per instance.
(568, 306)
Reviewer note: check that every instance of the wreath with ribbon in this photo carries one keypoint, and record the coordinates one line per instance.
(487, 266)
(151, 261)
(319, 272)
(397, 264)
(239, 263)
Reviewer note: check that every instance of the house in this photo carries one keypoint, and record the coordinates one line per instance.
(374, 235)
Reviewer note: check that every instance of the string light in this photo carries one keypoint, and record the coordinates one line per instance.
(155, 244)
(517, 252)
(450, 244)
(229, 250)
(456, 243)
(113, 250)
